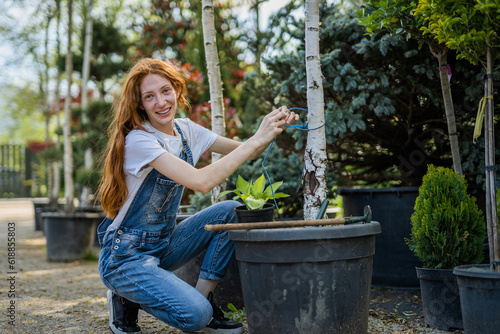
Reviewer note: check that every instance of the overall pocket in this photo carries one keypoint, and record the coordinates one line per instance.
(164, 194)
(136, 242)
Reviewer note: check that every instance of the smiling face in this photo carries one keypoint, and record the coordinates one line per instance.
(159, 101)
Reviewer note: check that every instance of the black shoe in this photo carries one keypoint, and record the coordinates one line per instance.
(219, 323)
(122, 314)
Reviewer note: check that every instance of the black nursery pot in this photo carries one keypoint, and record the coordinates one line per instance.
(266, 214)
(479, 298)
(440, 298)
(69, 236)
(313, 280)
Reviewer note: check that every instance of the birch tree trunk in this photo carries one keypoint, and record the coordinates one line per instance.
(214, 79)
(56, 165)
(68, 149)
(46, 110)
(315, 153)
(84, 197)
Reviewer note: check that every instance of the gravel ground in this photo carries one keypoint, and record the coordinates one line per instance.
(55, 297)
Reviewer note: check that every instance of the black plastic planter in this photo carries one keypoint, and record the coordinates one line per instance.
(313, 280)
(266, 214)
(69, 236)
(393, 264)
(440, 298)
(480, 298)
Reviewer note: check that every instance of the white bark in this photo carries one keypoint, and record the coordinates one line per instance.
(46, 106)
(56, 185)
(85, 78)
(315, 153)
(214, 79)
(68, 149)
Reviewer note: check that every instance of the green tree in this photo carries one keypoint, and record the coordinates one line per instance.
(397, 17)
(21, 117)
(472, 29)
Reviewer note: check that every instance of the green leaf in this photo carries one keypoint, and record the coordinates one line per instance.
(268, 193)
(258, 186)
(253, 203)
(242, 185)
(224, 193)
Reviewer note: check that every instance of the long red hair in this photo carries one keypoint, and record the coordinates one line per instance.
(128, 116)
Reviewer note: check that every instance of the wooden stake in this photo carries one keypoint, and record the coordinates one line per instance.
(278, 224)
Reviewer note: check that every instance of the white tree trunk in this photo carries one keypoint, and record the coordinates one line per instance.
(214, 79)
(46, 107)
(56, 166)
(315, 153)
(68, 149)
(84, 197)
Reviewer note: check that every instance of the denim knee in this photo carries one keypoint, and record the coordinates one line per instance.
(228, 208)
(199, 316)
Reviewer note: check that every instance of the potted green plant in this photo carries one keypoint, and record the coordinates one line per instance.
(448, 230)
(255, 196)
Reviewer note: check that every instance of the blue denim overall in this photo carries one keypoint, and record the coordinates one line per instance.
(137, 258)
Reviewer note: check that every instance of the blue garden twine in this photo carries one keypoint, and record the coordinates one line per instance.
(302, 127)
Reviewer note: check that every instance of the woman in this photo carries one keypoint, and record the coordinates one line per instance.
(151, 158)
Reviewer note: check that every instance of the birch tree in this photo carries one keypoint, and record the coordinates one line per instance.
(85, 78)
(56, 165)
(44, 85)
(214, 79)
(68, 149)
(315, 154)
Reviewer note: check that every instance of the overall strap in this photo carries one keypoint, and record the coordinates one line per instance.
(185, 146)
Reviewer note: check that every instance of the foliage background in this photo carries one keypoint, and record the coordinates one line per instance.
(384, 112)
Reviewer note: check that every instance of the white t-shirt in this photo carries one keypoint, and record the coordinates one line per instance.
(142, 147)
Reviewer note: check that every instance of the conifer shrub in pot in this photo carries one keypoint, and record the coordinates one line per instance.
(448, 230)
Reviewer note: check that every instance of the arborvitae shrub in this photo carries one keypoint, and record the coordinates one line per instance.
(448, 228)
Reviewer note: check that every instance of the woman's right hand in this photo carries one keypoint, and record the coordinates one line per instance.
(273, 124)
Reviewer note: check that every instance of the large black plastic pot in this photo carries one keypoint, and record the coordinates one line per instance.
(480, 298)
(393, 264)
(41, 208)
(70, 237)
(440, 298)
(313, 280)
